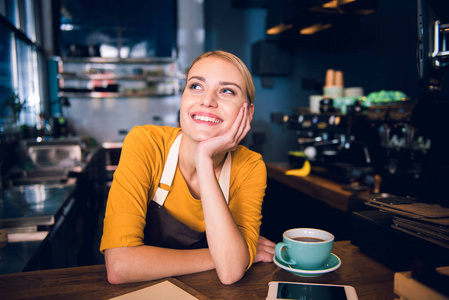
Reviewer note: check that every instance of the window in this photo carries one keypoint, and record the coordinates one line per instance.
(20, 98)
(6, 72)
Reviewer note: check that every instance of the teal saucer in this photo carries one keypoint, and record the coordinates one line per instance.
(332, 263)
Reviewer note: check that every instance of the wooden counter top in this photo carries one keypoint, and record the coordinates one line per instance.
(370, 279)
(320, 188)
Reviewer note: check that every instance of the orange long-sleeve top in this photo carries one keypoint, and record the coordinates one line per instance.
(136, 179)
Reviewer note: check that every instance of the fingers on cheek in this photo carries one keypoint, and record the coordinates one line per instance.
(246, 129)
(242, 112)
(243, 132)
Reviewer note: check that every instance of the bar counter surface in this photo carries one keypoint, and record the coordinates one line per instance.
(312, 185)
(371, 280)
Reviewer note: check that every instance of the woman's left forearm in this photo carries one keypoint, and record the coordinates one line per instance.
(226, 243)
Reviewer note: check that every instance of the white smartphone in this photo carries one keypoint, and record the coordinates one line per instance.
(306, 291)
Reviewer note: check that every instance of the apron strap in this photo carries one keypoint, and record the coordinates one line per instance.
(225, 177)
(169, 173)
(170, 168)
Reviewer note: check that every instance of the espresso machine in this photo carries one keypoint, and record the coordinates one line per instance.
(366, 142)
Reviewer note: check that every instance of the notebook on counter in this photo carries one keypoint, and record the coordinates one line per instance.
(167, 289)
(433, 233)
(426, 221)
(431, 213)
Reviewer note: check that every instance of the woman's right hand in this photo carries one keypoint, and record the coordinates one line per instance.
(229, 140)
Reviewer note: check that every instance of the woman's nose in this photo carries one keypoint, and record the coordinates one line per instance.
(209, 99)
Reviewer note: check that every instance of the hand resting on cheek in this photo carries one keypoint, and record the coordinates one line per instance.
(228, 141)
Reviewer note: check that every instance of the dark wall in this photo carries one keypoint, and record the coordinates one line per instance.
(385, 59)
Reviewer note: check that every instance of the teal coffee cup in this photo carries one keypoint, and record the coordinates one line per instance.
(305, 248)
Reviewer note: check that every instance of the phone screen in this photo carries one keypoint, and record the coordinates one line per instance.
(309, 292)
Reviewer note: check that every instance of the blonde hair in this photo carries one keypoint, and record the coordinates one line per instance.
(250, 89)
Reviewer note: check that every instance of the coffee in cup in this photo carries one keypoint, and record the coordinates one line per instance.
(305, 248)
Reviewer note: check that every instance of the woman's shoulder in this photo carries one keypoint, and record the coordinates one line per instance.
(248, 167)
(243, 156)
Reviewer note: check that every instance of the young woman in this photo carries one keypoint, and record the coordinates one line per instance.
(189, 199)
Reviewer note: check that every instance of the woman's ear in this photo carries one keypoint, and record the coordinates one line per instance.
(251, 111)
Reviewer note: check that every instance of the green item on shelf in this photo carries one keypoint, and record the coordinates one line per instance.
(382, 97)
(343, 103)
(297, 153)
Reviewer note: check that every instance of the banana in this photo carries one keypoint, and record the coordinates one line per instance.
(303, 172)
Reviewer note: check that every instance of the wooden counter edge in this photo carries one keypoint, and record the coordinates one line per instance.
(91, 281)
(12, 284)
(322, 189)
(174, 281)
(408, 288)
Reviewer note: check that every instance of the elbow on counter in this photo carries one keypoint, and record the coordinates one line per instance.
(113, 279)
(232, 272)
(229, 280)
(117, 268)
(115, 272)
(231, 276)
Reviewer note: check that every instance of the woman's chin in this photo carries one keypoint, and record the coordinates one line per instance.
(202, 133)
(202, 137)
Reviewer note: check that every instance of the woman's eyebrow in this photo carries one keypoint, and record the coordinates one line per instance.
(200, 78)
(231, 83)
(197, 78)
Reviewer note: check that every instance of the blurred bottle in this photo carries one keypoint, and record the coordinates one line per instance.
(59, 127)
(43, 127)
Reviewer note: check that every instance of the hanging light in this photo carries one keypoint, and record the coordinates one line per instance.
(336, 3)
(314, 28)
(279, 28)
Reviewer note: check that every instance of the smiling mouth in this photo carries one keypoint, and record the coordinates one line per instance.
(207, 119)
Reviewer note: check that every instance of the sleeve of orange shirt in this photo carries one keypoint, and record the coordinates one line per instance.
(139, 170)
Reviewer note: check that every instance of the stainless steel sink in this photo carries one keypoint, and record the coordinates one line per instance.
(48, 161)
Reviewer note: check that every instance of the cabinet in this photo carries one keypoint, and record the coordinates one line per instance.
(97, 77)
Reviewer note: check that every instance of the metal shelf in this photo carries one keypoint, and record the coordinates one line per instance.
(115, 77)
(158, 81)
(113, 95)
(149, 60)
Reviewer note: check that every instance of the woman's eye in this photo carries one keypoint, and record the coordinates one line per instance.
(195, 86)
(228, 91)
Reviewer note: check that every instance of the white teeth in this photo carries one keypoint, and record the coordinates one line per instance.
(206, 119)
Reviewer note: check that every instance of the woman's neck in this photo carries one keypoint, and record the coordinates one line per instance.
(186, 159)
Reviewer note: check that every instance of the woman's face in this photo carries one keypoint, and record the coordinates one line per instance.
(215, 91)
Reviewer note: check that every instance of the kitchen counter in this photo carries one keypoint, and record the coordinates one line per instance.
(17, 256)
(32, 205)
(28, 213)
(53, 225)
